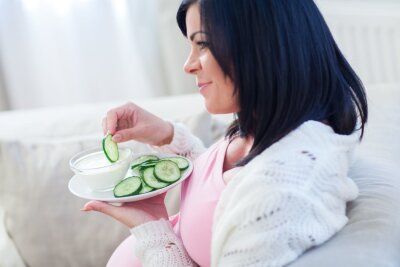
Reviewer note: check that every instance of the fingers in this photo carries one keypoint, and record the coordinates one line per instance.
(104, 125)
(93, 205)
(102, 207)
(111, 121)
(118, 118)
(124, 135)
(131, 214)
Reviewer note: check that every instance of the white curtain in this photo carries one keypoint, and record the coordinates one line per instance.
(3, 96)
(63, 52)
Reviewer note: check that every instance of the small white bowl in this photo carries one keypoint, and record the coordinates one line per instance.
(97, 172)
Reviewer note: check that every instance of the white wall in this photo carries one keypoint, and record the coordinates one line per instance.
(3, 95)
(118, 50)
(72, 52)
(368, 33)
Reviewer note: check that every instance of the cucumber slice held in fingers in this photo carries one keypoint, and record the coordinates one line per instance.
(128, 187)
(110, 148)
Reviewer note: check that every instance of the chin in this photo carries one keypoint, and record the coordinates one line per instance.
(215, 109)
(212, 109)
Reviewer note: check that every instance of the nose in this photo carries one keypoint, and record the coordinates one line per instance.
(192, 64)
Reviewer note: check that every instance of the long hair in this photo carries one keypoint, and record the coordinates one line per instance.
(285, 65)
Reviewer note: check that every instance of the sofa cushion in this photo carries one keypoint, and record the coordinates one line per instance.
(372, 236)
(41, 217)
(42, 224)
(7, 247)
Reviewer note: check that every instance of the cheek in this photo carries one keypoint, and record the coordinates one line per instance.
(223, 100)
(232, 98)
(205, 62)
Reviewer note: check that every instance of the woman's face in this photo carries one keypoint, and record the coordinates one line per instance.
(216, 89)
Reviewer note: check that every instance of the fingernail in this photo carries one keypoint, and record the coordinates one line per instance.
(86, 209)
(116, 138)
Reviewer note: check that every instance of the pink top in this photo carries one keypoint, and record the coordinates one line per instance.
(199, 196)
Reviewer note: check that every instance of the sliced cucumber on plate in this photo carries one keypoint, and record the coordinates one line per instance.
(153, 173)
(128, 187)
(181, 162)
(151, 180)
(167, 171)
(143, 159)
(145, 188)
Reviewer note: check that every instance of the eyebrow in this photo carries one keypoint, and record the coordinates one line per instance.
(194, 34)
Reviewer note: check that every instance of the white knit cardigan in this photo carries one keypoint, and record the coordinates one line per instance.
(286, 200)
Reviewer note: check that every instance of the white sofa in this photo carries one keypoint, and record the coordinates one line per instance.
(40, 221)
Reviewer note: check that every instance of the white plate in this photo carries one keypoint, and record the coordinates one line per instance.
(77, 187)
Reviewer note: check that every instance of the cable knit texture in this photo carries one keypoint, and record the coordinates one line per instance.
(166, 248)
(288, 199)
(184, 143)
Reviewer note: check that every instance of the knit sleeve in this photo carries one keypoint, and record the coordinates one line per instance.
(157, 245)
(274, 232)
(183, 143)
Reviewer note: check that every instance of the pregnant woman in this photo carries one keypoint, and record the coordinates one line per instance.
(276, 184)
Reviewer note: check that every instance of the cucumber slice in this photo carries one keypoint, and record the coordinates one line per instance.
(181, 162)
(145, 188)
(110, 148)
(151, 180)
(143, 159)
(128, 187)
(167, 171)
(148, 163)
(136, 170)
(140, 168)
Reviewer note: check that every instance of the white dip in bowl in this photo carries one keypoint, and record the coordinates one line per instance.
(97, 172)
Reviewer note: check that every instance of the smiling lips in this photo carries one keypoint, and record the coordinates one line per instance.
(203, 85)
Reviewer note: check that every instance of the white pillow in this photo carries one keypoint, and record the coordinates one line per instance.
(8, 251)
(372, 236)
(41, 217)
(383, 129)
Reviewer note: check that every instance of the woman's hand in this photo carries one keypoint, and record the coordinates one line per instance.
(132, 214)
(131, 122)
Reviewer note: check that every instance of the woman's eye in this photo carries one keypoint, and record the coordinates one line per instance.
(202, 44)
